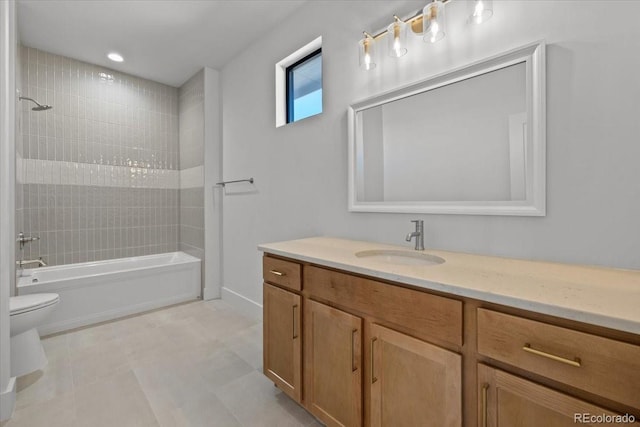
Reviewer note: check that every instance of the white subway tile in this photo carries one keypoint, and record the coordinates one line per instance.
(55, 173)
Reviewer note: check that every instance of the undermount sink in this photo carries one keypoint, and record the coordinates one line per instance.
(399, 257)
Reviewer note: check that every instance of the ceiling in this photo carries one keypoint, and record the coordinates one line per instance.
(163, 40)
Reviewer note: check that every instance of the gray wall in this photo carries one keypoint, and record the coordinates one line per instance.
(98, 174)
(593, 190)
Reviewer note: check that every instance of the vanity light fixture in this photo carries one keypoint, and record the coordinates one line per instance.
(398, 41)
(115, 57)
(429, 23)
(481, 10)
(433, 21)
(367, 52)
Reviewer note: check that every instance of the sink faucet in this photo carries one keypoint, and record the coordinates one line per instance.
(418, 234)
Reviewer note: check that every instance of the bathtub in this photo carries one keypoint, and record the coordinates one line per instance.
(93, 292)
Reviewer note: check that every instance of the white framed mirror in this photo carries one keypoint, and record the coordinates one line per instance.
(469, 141)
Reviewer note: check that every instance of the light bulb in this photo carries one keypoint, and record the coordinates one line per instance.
(396, 46)
(367, 53)
(397, 34)
(434, 22)
(478, 9)
(435, 29)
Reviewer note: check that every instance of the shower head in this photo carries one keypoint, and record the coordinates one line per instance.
(42, 108)
(38, 107)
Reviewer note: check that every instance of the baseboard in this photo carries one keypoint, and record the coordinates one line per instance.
(243, 304)
(8, 400)
(79, 322)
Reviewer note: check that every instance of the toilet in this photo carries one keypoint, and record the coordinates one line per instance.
(27, 313)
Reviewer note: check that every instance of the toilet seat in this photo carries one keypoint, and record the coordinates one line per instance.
(26, 303)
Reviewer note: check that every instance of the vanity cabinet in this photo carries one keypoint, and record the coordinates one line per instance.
(358, 351)
(333, 344)
(282, 349)
(397, 379)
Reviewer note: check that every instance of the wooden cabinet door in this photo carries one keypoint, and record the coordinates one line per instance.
(333, 354)
(413, 383)
(508, 400)
(282, 349)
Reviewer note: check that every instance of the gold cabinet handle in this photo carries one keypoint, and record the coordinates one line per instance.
(277, 273)
(575, 362)
(485, 391)
(373, 377)
(293, 310)
(353, 362)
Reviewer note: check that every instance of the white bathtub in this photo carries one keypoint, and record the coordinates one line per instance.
(93, 292)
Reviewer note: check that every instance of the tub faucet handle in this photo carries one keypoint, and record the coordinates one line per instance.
(22, 239)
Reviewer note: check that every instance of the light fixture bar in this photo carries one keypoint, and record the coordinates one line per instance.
(415, 21)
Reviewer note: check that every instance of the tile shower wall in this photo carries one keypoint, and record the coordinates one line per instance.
(97, 174)
(191, 107)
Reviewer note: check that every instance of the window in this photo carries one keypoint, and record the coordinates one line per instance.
(304, 87)
(299, 84)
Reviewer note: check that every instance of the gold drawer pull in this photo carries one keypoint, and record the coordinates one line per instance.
(373, 376)
(293, 310)
(485, 390)
(575, 362)
(354, 367)
(277, 273)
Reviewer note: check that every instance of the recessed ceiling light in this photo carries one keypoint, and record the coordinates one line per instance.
(115, 57)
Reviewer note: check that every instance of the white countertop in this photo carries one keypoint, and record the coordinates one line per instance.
(600, 296)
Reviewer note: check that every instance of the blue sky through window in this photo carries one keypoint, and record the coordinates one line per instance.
(304, 88)
(307, 105)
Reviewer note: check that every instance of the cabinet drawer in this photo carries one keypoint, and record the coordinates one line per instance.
(418, 313)
(508, 400)
(281, 272)
(602, 366)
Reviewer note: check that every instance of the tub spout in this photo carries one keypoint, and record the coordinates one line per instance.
(38, 261)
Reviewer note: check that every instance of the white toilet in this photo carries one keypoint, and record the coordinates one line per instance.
(27, 313)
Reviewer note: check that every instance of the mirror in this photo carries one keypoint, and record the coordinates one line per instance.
(470, 141)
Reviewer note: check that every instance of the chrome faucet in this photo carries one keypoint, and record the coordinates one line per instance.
(418, 234)
(22, 239)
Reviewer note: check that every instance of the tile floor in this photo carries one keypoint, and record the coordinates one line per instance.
(196, 364)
